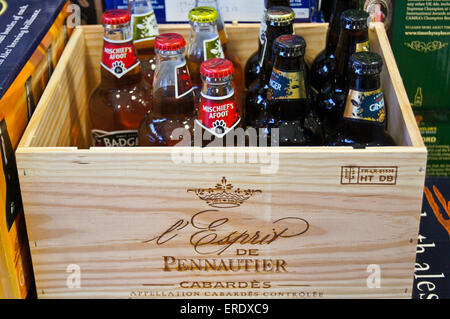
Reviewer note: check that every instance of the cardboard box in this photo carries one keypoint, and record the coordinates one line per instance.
(435, 129)
(32, 37)
(421, 45)
(432, 273)
(176, 11)
(326, 222)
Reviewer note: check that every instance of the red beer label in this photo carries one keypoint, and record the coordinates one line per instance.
(119, 57)
(218, 115)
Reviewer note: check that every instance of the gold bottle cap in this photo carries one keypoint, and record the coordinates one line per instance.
(203, 15)
(280, 16)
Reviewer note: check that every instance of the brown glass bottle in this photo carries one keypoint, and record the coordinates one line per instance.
(219, 111)
(145, 29)
(330, 100)
(120, 102)
(280, 20)
(252, 68)
(172, 99)
(322, 68)
(364, 118)
(289, 95)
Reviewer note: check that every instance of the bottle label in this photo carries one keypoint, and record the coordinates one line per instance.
(218, 115)
(362, 46)
(287, 85)
(144, 27)
(366, 106)
(119, 57)
(115, 139)
(212, 48)
(183, 82)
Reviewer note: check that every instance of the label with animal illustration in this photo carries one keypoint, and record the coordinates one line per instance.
(366, 106)
(218, 115)
(119, 57)
(212, 48)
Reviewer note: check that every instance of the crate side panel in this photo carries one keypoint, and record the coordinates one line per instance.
(136, 224)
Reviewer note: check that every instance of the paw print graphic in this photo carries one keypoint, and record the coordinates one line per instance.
(219, 126)
(118, 67)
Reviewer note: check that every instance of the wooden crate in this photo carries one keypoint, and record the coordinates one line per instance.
(130, 222)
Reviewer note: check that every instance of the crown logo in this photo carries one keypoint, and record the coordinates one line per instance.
(224, 195)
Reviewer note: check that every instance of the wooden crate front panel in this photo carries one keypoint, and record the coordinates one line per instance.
(96, 210)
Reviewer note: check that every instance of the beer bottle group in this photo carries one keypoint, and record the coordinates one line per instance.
(165, 90)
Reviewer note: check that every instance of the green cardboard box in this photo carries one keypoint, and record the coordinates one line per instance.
(421, 46)
(435, 128)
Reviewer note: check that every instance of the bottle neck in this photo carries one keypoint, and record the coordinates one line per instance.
(204, 41)
(339, 6)
(267, 57)
(292, 64)
(144, 26)
(217, 88)
(119, 61)
(350, 41)
(167, 65)
(365, 82)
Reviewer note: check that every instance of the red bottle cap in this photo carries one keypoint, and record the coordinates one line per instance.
(217, 68)
(169, 42)
(116, 17)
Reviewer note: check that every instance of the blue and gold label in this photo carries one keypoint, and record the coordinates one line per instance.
(287, 85)
(362, 46)
(366, 106)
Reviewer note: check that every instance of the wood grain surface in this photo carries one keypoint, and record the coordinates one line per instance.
(131, 221)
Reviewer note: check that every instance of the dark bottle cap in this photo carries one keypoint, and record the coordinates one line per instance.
(278, 16)
(355, 20)
(169, 42)
(365, 63)
(116, 17)
(217, 68)
(290, 46)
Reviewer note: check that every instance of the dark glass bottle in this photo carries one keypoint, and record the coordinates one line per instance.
(280, 20)
(323, 65)
(354, 37)
(13, 199)
(364, 118)
(173, 96)
(252, 68)
(289, 94)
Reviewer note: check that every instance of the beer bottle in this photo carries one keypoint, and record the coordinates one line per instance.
(204, 41)
(364, 119)
(323, 66)
(122, 99)
(219, 109)
(145, 29)
(238, 77)
(13, 198)
(172, 98)
(288, 95)
(330, 100)
(280, 20)
(252, 68)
